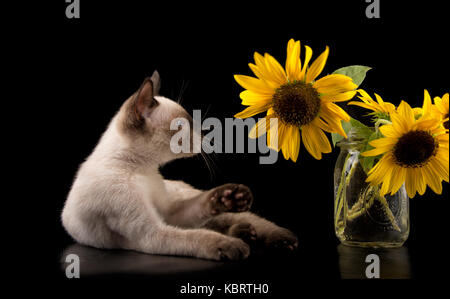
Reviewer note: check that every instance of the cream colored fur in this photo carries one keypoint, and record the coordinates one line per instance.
(120, 200)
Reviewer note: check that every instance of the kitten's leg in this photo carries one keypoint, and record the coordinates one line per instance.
(245, 225)
(142, 230)
(193, 211)
(191, 208)
(201, 243)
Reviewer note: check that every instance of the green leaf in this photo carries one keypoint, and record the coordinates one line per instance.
(358, 128)
(356, 72)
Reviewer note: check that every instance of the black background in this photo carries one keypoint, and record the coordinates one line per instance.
(99, 60)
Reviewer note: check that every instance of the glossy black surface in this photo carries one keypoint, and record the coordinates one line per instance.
(96, 62)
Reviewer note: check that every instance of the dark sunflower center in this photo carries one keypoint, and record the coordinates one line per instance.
(296, 103)
(415, 148)
(446, 122)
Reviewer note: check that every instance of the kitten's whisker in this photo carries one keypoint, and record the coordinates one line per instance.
(183, 88)
(179, 93)
(206, 113)
(207, 142)
(210, 165)
(211, 159)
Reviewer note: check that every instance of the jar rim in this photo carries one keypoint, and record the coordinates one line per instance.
(351, 142)
(352, 139)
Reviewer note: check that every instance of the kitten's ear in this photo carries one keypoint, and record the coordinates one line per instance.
(144, 101)
(156, 80)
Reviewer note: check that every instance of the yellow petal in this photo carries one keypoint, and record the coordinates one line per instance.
(285, 150)
(259, 128)
(443, 138)
(308, 55)
(388, 131)
(427, 124)
(275, 68)
(406, 111)
(253, 84)
(332, 80)
(294, 142)
(384, 142)
(268, 79)
(376, 174)
(384, 106)
(318, 122)
(309, 145)
(420, 181)
(260, 62)
(333, 116)
(253, 98)
(252, 110)
(272, 137)
(376, 151)
(334, 84)
(339, 97)
(364, 94)
(317, 66)
(379, 99)
(386, 180)
(283, 140)
(417, 111)
(419, 184)
(399, 124)
(411, 183)
(398, 179)
(363, 105)
(338, 111)
(264, 71)
(440, 166)
(427, 106)
(293, 63)
(388, 107)
(432, 178)
(333, 122)
(315, 141)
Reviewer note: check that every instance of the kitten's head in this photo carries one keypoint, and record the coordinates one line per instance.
(145, 120)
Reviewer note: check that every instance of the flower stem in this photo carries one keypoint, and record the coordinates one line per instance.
(340, 194)
(388, 212)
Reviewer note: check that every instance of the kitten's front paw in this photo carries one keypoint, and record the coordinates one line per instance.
(230, 198)
(281, 239)
(228, 248)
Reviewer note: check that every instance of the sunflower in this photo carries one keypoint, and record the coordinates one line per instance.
(415, 153)
(299, 102)
(380, 108)
(441, 105)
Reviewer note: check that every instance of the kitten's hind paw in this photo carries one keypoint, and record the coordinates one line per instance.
(230, 198)
(228, 249)
(244, 231)
(281, 239)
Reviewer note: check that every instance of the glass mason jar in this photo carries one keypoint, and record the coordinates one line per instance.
(363, 217)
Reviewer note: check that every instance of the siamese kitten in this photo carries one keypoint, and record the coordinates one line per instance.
(120, 200)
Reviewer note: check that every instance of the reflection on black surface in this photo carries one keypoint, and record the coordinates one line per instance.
(96, 262)
(394, 262)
